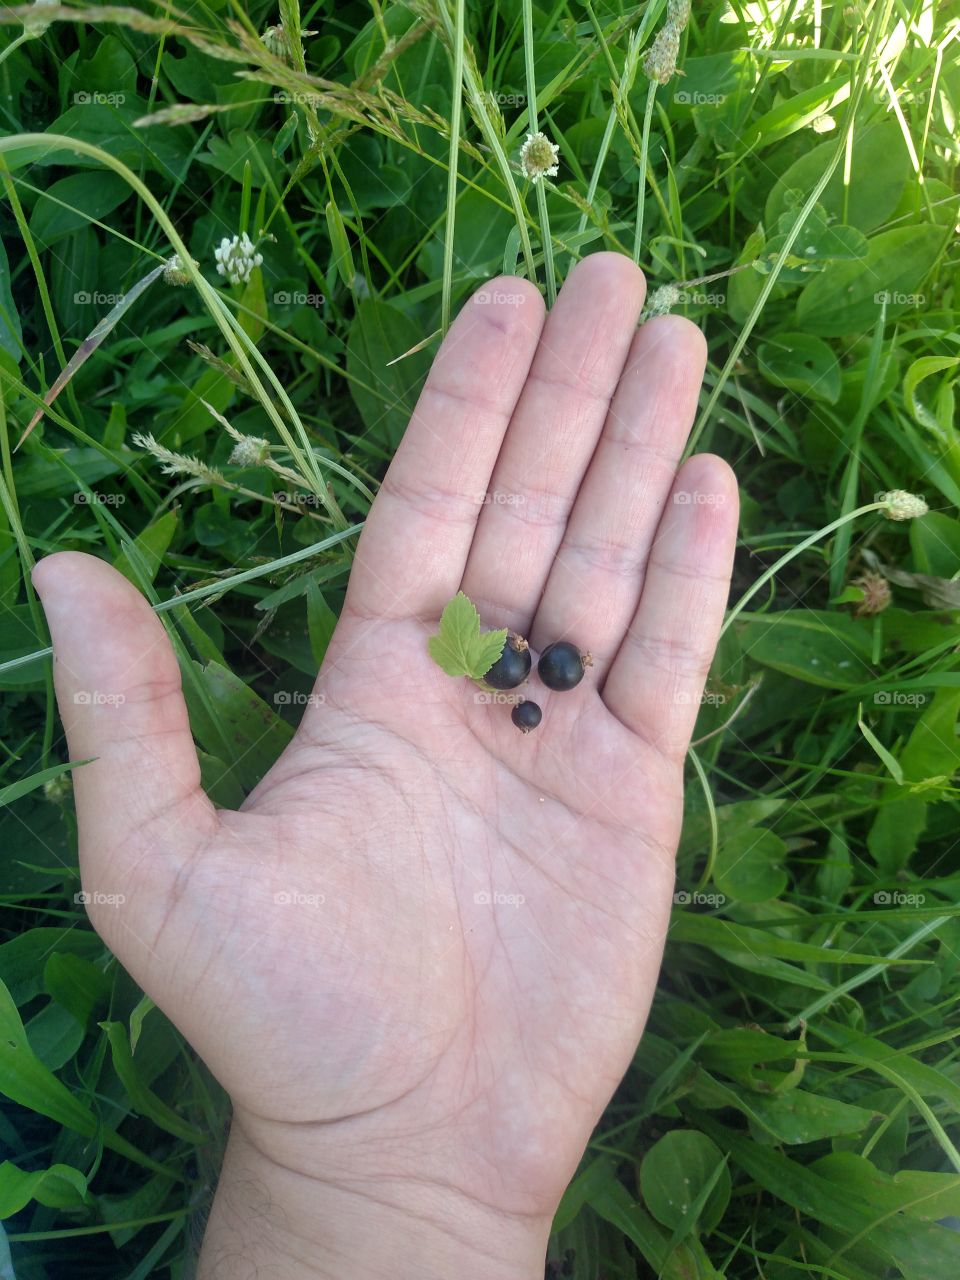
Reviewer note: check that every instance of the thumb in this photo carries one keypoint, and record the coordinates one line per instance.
(141, 812)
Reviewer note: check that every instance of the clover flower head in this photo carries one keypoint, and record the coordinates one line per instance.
(237, 258)
(900, 505)
(275, 39)
(539, 157)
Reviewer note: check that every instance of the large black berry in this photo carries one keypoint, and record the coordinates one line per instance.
(561, 665)
(526, 716)
(512, 667)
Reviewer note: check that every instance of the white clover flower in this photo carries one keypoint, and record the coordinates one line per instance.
(539, 157)
(249, 451)
(275, 39)
(237, 258)
(900, 505)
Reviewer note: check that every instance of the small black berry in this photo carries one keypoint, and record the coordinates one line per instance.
(526, 716)
(561, 665)
(513, 665)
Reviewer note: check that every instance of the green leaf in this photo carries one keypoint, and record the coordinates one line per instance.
(459, 647)
(384, 393)
(828, 649)
(152, 545)
(144, 1100)
(11, 334)
(749, 866)
(797, 1115)
(682, 1169)
(57, 1187)
(802, 363)
(74, 201)
(847, 298)
(25, 1080)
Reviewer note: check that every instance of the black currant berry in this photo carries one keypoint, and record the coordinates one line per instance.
(512, 667)
(561, 665)
(526, 716)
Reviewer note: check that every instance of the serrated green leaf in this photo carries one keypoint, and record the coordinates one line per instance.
(459, 648)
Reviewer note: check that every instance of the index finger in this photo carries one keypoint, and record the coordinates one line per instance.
(411, 555)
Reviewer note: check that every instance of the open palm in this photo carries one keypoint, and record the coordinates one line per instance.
(431, 932)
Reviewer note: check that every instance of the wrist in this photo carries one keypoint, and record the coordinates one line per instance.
(270, 1220)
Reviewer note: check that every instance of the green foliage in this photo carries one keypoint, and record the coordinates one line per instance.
(792, 1108)
(459, 647)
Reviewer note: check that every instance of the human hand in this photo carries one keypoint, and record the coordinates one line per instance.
(417, 1061)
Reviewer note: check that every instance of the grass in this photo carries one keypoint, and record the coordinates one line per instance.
(792, 1109)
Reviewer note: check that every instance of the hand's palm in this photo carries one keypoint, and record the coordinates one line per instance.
(423, 921)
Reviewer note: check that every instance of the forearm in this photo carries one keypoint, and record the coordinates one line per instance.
(273, 1224)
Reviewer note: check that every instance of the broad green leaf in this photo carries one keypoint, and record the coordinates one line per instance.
(144, 1100)
(321, 622)
(11, 333)
(24, 786)
(683, 1167)
(459, 647)
(935, 543)
(819, 648)
(749, 865)
(55, 1035)
(152, 544)
(79, 985)
(254, 731)
(925, 367)
(880, 169)
(922, 1194)
(340, 245)
(797, 1115)
(23, 958)
(802, 363)
(74, 201)
(57, 1187)
(385, 393)
(146, 1201)
(847, 298)
(25, 1080)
